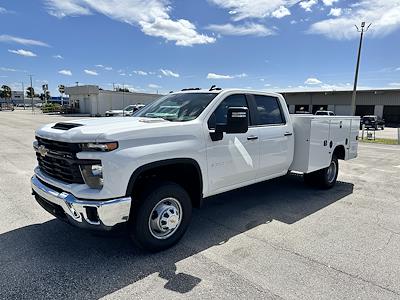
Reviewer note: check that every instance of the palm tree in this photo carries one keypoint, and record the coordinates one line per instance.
(5, 93)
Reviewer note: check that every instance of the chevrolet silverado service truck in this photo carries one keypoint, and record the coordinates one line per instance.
(146, 172)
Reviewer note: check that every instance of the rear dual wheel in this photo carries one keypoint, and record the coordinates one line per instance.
(324, 178)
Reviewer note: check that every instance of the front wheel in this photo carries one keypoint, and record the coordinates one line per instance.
(161, 217)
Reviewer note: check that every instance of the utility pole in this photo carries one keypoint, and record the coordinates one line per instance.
(353, 99)
(32, 94)
(123, 99)
(23, 93)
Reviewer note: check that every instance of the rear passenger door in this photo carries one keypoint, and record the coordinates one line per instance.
(276, 136)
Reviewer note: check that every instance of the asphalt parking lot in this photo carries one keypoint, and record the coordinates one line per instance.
(276, 240)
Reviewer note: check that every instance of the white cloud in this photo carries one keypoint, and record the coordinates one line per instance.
(91, 72)
(65, 72)
(395, 84)
(58, 56)
(329, 2)
(154, 86)
(335, 12)
(398, 69)
(169, 73)
(153, 17)
(23, 52)
(5, 11)
(384, 16)
(245, 29)
(242, 9)
(241, 75)
(5, 38)
(312, 81)
(7, 69)
(281, 12)
(307, 5)
(140, 72)
(219, 76)
(103, 67)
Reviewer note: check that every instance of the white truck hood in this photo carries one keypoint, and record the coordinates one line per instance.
(101, 129)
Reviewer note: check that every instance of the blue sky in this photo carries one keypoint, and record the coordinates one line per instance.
(160, 45)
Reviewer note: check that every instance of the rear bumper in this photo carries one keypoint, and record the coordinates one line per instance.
(100, 215)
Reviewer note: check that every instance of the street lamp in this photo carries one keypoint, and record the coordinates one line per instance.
(353, 99)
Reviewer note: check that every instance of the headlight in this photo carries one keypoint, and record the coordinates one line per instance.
(93, 175)
(105, 147)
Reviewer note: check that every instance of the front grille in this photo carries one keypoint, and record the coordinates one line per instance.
(60, 161)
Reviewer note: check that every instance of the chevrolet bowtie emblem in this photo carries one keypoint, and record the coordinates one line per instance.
(42, 150)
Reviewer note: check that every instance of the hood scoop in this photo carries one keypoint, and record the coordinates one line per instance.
(66, 126)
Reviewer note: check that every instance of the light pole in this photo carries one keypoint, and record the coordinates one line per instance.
(32, 94)
(353, 99)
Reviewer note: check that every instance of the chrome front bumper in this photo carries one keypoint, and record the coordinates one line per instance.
(103, 215)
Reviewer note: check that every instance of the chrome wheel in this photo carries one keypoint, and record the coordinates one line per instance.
(165, 218)
(331, 172)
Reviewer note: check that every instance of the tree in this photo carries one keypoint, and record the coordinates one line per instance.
(47, 95)
(30, 92)
(5, 92)
(125, 90)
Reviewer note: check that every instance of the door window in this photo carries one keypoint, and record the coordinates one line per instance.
(268, 110)
(220, 115)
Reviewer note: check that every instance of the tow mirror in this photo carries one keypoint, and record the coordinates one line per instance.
(237, 122)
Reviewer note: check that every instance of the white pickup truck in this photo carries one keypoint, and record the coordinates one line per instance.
(149, 170)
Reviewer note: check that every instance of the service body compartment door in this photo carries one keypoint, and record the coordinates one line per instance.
(353, 139)
(320, 156)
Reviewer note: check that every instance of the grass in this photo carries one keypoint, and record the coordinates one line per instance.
(380, 141)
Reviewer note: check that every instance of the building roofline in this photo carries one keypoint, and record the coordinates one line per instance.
(379, 90)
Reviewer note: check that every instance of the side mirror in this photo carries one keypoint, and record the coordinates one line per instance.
(237, 122)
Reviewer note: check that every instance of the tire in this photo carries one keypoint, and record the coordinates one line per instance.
(324, 178)
(310, 179)
(159, 209)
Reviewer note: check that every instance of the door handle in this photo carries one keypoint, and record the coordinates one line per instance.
(252, 137)
(288, 133)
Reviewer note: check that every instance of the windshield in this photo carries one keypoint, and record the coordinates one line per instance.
(128, 108)
(177, 107)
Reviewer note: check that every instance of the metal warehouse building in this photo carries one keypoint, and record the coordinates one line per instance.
(384, 103)
(90, 99)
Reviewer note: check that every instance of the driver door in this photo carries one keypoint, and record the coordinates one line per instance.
(234, 160)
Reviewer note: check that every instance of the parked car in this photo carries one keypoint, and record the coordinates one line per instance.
(373, 122)
(324, 113)
(127, 111)
(148, 171)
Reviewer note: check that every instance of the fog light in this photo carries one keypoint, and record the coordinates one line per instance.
(93, 175)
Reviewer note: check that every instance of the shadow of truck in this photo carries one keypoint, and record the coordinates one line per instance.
(53, 259)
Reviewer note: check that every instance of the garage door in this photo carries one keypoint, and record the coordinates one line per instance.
(391, 114)
(343, 110)
(364, 110)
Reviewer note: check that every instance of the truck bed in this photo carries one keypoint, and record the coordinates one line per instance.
(316, 137)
